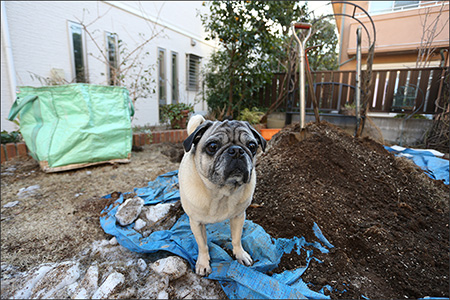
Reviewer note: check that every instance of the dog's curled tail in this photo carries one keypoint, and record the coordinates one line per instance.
(194, 122)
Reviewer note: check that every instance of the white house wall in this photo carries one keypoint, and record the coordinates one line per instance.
(40, 42)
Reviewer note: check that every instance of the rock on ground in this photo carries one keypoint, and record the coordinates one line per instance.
(128, 211)
(106, 270)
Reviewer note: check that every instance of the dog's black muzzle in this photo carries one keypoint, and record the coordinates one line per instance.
(237, 169)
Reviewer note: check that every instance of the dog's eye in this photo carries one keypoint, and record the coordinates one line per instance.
(252, 147)
(212, 148)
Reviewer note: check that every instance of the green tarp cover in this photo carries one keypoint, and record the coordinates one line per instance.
(75, 123)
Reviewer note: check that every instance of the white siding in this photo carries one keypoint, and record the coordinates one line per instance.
(40, 41)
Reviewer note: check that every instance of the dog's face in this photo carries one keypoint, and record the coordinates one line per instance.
(224, 152)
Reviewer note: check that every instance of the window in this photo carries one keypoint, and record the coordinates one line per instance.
(162, 76)
(174, 77)
(77, 44)
(398, 5)
(193, 72)
(112, 55)
(379, 7)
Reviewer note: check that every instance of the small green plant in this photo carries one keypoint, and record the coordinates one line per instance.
(144, 129)
(175, 113)
(402, 115)
(11, 137)
(350, 106)
(252, 116)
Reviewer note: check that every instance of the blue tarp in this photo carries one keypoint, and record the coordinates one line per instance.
(238, 281)
(435, 167)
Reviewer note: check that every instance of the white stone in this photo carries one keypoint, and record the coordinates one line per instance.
(59, 277)
(129, 211)
(29, 191)
(88, 285)
(163, 295)
(113, 241)
(153, 286)
(11, 204)
(71, 288)
(142, 265)
(173, 266)
(193, 286)
(108, 286)
(158, 211)
(139, 224)
(30, 282)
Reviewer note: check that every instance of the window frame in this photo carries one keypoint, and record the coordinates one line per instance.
(393, 8)
(107, 49)
(175, 90)
(162, 82)
(72, 53)
(189, 85)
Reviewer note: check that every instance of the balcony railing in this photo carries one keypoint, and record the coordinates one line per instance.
(397, 6)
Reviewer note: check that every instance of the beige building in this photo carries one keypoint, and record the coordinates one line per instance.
(401, 27)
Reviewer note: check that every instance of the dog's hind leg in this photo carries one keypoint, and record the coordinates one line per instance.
(202, 266)
(236, 226)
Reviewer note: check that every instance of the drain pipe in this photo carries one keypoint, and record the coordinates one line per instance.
(358, 78)
(8, 53)
(341, 38)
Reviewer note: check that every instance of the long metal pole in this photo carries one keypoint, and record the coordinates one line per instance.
(302, 85)
(302, 58)
(358, 78)
(9, 54)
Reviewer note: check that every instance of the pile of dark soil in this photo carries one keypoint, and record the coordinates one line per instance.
(387, 220)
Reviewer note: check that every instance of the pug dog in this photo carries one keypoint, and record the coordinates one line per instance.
(217, 179)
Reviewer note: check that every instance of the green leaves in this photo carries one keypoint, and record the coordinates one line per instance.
(252, 116)
(255, 41)
(10, 137)
(175, 111)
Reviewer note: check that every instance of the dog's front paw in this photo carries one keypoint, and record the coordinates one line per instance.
(202, 266)
(244, 258)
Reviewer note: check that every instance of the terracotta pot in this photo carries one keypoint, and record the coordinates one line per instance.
(180, 124)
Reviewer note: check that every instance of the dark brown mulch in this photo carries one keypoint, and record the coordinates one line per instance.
(387, 220)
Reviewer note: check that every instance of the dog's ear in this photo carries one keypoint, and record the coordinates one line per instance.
(262, 141)
(196, 135)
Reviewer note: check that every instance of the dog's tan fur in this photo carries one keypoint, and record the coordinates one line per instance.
(205, 202)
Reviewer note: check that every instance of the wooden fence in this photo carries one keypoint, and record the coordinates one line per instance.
(336, 89)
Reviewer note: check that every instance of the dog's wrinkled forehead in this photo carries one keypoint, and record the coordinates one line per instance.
(237, 132)
(230, 132)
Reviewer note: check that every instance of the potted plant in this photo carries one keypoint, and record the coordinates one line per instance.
(348, 110)
(176, 114)
(254, 116)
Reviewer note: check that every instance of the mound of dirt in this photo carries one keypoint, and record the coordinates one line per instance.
(387, 220)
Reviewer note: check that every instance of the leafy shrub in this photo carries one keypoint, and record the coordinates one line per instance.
(11, 137)
(170, 112)
(252, 116)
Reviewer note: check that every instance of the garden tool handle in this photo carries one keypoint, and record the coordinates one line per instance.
(304, 26)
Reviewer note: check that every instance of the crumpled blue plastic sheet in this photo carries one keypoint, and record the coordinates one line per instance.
(237, 281)
(435, 167)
